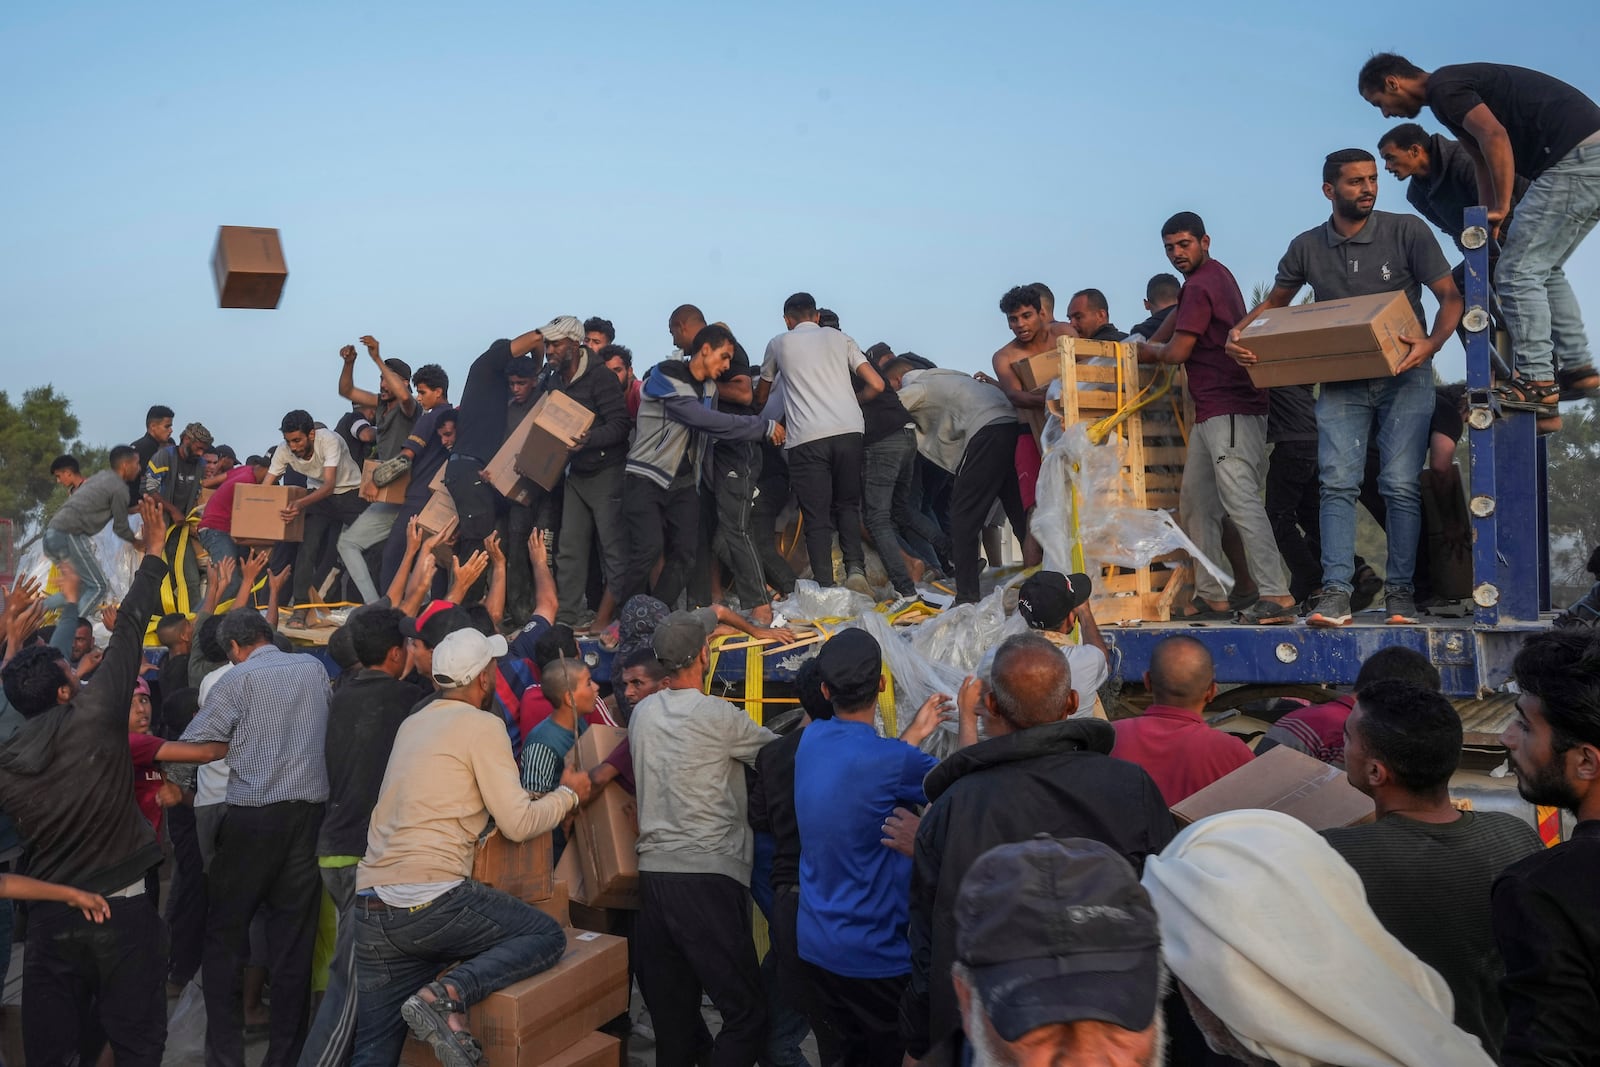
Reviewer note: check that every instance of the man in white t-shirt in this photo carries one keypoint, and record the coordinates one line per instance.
(333, 503)
(822, 416)
(1051, 603)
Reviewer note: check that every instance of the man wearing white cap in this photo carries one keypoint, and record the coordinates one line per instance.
(417, 908)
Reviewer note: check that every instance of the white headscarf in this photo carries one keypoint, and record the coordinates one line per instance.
(1270, 928)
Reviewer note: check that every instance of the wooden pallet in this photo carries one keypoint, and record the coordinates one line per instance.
(1153, 456)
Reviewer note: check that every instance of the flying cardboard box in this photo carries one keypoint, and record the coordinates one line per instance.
(393, 493)
(247, 263)
(553, 426)
(501, 471)
(523, 869)
(1282, 779)
(1331, 341)
(608, 829)
(256, 518)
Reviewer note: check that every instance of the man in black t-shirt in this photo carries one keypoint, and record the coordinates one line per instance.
(1515, 122)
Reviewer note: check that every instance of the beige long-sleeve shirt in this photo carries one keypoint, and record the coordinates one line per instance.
(450, 769)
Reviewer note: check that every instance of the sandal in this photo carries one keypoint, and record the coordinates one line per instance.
(1204, 612)
(1578, 383)
(1519, 394)
(1266, 613)
(430, 1021)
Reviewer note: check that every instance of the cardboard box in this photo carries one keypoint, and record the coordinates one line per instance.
(1331, 341)
(248, 266)
(529, 1023)
(204, 498)
(438, 515)
(524, 869)
(558, 904)
(553, 427)
(256, 518)
(608, 829)
(1037, 372)
(1283, 780)
(502, 472)
(393, 493)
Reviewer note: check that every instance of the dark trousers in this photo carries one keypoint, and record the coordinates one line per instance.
(394, 549)
(266, 858)
(866, 1014)
(888, 470)
(795, 985)
(1294, 506)
(591, 508)
(729, 503)
(772, 495)
(324, 521)
(333, 1030)
(693, 936)
(476, 503)
(117, 967)
(498, 938)
(988, 471)
(826, 478)
(659, 521)
(186, 910)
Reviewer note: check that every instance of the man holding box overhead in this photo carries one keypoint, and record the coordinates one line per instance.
(1362, 252)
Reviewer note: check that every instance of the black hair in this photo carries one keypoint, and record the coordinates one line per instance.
(800, 306)
(685, 313)
(1405, 135)
(297, 421)
(525, 367)
(156, 413)
(1045, 295)
(808, 687)
(243, 627)
(1398, 664)
(614, 351)
(555, 643)
(482, 621)
(1335, 162)
(431, 375)
(559, 680)
(168, 624)
(1562, 669)
(84, 624)
(1096, 299)
(827, 317)
(643, 658)
(897, 365)
(599, 325)
(1184, 222)
(32, 678)
(1018, 297)
(447, 416)
(342, 650)
(122, 452)
(373, 632)
(1383, 66)
(714, 336)
(179, 708)
(1413, 731)
(66, 463)
(1162, 287)
(205, 639)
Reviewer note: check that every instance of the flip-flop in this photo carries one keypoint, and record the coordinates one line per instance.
(1266, 613)
(430, 1021)
(1206, 613)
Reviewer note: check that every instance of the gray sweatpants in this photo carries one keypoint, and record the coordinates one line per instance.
(1224, 475)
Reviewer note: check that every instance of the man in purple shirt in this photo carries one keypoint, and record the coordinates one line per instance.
(1226, 467)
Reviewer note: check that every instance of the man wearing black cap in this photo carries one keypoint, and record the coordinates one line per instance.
(690, 752)
(1036, 989)
(1052, 603)
(848, 781)
(1037, 771)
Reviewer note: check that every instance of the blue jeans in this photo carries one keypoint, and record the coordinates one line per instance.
(1554, 216)
(500, 939)
(219, 546)
(1398, 410)
(78, 550)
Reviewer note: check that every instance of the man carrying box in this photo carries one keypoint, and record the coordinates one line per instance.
(396, 411)
(417, 908)
(332, 504)
(1362, 252)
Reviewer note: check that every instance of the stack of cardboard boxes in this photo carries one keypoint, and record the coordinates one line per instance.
(601, 861)
(551, 1019)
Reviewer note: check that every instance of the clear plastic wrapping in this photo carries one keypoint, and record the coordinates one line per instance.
(812, 601)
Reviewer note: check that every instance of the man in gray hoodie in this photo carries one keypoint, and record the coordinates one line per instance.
(690, 752)
(101, 499)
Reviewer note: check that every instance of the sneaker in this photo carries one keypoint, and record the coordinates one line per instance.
(1330, 608)
(1400, 608)
(900, 603)
(1368, 586)
(857, 582)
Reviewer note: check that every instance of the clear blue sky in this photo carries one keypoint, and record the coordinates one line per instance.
(447, 174)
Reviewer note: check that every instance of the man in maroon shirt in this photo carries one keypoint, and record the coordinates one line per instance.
(1318, 730)
(1226, 467)
(1171, 740)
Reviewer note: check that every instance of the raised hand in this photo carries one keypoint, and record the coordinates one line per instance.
(491, 545)
(276, 582)
(415, 534)
(538, 551)
(348, 353)
(108, 616)
(464, 575)
(250, 570)
(372, 347)
(153, 516)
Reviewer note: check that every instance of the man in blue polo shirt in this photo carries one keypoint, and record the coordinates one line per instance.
(854, 891)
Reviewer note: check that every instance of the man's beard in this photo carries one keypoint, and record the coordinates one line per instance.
(989, 1051)
(1547, 785)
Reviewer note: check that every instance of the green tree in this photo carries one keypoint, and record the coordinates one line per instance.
(1574, 456)
(32, 434)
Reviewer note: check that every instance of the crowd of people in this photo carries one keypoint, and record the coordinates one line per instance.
(1027, 898)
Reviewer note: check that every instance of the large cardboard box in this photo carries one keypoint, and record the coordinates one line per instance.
(1331, 341)
(256, 518)
(558, 904)
(608, 829)
(1285, 780)
(524, 869)
(502, 472)
(438, 515)
(529, 1023)
(393, 493)
(553, 427)
(247, 263)
(1036, 372)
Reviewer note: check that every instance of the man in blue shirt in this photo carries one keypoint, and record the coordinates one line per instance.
(854, 891)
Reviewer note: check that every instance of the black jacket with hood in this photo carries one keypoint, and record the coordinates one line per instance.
(66, 776)
(596, 388)
(1058, 779)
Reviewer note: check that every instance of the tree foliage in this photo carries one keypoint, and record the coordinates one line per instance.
(1574, 456)
(32, 435)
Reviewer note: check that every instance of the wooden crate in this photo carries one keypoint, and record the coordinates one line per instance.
(1153, 457)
